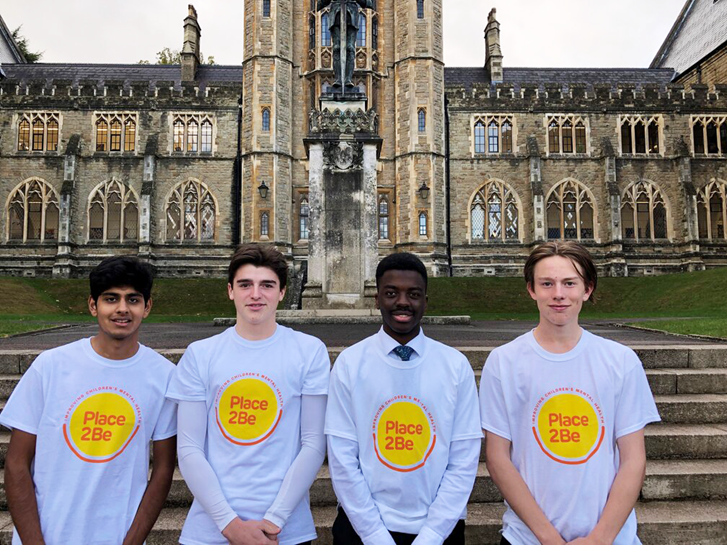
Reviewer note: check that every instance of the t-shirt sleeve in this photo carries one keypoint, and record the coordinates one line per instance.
(24, 409)
(467, 411)
(493, 411)
(635, 406)
(339, 413)
(186, 383)
(316, 378)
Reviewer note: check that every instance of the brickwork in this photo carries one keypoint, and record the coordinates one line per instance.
(712, 70)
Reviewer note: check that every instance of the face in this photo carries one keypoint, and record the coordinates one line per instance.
(402, 299)
(256, 293)
(558, 290)
(119, 311)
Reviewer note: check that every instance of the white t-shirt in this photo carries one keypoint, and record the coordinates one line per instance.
(93, 419)
(404, 415)
(563, 414)
(253, 394)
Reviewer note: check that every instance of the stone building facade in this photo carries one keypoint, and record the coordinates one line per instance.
(179, 164)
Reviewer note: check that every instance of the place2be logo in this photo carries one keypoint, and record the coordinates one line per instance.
(404, 433)
(568, 425)
(100, 424)
(248, 408)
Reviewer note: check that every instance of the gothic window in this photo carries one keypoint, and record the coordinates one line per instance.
(102, 135)
(191, 213)
(266, 8)
(499, 131)
(23, 135)
(266, 119)
(570, 212)
(129, 134)
(192, 133)
(264, 224)
(33, 212)
(383, 217)
(422, 119)
(304, 216)
(325, 31)
(115, 135)
(115, 132)
(113, 213)
(312, 32)
(52, 142)
(640, 134)
(494, 213)
(375, 33)
(644, 212)
(420, 9)
(709, 135)
(423, 224)
(38, 131)
(361, 35)
(712, 211)
(567, 134)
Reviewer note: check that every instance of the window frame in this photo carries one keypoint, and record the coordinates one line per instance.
(30, 140)
(123, 119)
(482, 197)
(178, 193)
(704, 122)
(128, 197)
(704, 199)
(49, 196)
(583, 196)
(556, 126)
(489, 135)
(203, 138)
(628, 126)
(631, 198)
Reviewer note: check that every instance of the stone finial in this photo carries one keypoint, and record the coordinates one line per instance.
(191, 49)
(192, 11)
(493, 52)
(491, 17)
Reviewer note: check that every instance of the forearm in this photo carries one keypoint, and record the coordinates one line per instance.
(353, 492)
(22, 503)
(155, 494)
(453, 493)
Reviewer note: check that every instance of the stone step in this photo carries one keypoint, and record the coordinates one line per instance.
(687, 381)
(686, 441)
(692, 408)
(660, 523)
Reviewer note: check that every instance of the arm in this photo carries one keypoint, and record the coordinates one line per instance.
(156, 491)
(516, 492)
(624, 491)
(353, 492)
(20, 489)
(453, 494)
(302, 472)
(203, 482)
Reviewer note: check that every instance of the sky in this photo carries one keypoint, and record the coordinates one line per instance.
(534, 33)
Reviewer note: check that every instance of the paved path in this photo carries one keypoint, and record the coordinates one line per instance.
(481, 333)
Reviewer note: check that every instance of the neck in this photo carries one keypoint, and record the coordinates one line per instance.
(115, 349)
(557, 339)
(255, 332)
(401, 338)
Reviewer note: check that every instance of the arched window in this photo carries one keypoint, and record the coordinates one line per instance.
(570, 212)
(712, 211)
(420, 9)
(567, 137)
(422, 119)
(102, 135)
(640, 134)
(553, 137)
(375, 33)
(423, 224)
(192, 136)
(494, 213)
(38, 130)
(567, 133)
(383, 217)
(644, 212)
(479, 137)
(640, 139)
(129, 135)
(33, 212)
(178, 135)
(580, 137)
(653, 136)
(698, 137)
(191, 213)
(325, 31)
(23, 135)
(115, 135)
(361, 35)
(52, 141)
(266, 120)
(113, 213)
(506, 137)
(304, 219)
(206, 136)
(266, 8)
(493, 145)
(312, 32)
(626, 137)
(264, 224)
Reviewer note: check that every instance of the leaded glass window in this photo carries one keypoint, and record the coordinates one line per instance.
(494, 213)
(113, 213)
(304, 216)
(383, 217)
(570, 212)
(38, 131)
(423, 227)
(712, 211)
(191, 213)
(33, 212)
(266, 120)
(567, 134)
(264, 224)
(709, 135)
(422, 119)
(192, 133)
(325, 31)
(420, 9)
(644, 212)
(361, 34)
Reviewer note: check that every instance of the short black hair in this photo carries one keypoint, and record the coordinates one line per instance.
(403, 261)
(120, 271)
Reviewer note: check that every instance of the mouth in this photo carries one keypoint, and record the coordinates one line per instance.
(256, 306)
(559, 308)
(402, 316)
(121, 322)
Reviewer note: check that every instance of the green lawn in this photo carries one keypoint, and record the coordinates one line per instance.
(33, 302)
(712, 327)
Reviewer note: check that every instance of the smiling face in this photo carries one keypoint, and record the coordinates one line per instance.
(256, 293)
(119, 311)
(402, 299)
(559, 291)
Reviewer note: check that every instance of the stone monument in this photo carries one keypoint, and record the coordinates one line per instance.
(343, 147)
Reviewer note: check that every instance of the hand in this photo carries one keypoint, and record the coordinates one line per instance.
(589, 540)
(270, 529)
(249, 532)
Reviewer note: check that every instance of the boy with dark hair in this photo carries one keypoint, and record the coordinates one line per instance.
(82, 418)
(402, 424)
(564, 414)
(252, 402)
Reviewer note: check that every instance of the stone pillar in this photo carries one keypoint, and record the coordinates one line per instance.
(147, 194)
(313, 294)
(370, 227)
(536, 186)
(615, 259)
(65, 263)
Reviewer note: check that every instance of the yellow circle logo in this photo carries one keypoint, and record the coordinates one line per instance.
(100, 424)
(568, 426)
(404, 434)
(249, 407)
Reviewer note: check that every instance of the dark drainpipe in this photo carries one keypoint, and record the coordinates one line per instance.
(447, 181)
(237, 181)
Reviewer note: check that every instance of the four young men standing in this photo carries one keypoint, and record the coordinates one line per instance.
(563, 411)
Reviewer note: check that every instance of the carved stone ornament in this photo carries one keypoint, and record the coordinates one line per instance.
(339, 122)
(343, 155)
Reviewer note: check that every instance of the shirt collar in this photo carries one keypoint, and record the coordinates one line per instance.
(387, 343)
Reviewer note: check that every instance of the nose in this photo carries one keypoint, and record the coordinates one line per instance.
(558, 291)
(256, 291)
(123, 306)
(402, 300)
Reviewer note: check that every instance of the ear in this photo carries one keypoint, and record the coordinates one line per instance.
(376, 300)
(282, 294)
(92, 307)
(531, 291)
(229, 292)
(147, 307)
(587, 294)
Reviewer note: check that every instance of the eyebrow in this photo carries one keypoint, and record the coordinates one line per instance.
(241, 280)
(563, 279)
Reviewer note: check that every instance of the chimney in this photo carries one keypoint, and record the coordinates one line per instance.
(191, 55)
(493, 59)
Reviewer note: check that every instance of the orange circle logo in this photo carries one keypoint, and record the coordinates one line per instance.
(101, 423)
(568, 426)
(248, 408)
(404, 434)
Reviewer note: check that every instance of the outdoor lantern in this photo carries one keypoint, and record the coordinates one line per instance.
(263, 189)
(424, 191)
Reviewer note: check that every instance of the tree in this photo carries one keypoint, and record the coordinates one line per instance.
(173, 56)
(22, 43)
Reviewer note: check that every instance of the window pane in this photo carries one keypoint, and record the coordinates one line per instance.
(493, 138)
(627, 221)
(553, 219)
(266, 8)
(38, 128)
(206, 137)
(266, 120)
(130, 135)
(35, 213)
(192, 135)
(626, 138)
(113, 200)
(304, 219)
(174, 220)
(567, 137)
(643, 220)
(723, 137)
(24, 136)
(191, 205)
(702, 221)
(420, 9)
(207, 217)
(511, 220)
(17, 217)
(115, 135)
(653, 137)
(506, 137)
(264, 224)
(51, 222)
(375, 33)
(712, 138)
(422, 114)
(494, 217)
(570, 229)
(422, 224)
(640, 137)
(102, 134)
(325, 31)
(478, 220)
(52, 135)
(383, 228)
(716, 219)
(586, 221)
(361, 35)
(131, 222)
(553, 138)
(178, 135)
(479, 137)
(311, 32)
(698, 137)
(580, 138)
(660, 221)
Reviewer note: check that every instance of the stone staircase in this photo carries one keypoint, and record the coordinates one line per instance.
(683, 500)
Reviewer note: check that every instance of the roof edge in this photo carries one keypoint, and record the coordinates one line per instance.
(661, 53)
(17, 53)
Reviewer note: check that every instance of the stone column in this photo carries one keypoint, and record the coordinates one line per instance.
(312, 296)
(65, 262)
(370, 227)
(536, 186)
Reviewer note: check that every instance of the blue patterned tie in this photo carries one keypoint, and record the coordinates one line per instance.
(404, 352)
